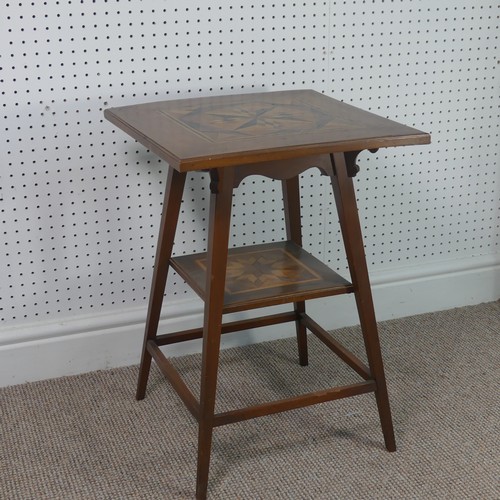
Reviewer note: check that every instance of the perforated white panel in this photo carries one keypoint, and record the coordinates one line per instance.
(432, 65)
(80, 202)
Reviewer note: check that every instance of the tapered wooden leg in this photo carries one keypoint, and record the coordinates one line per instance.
(168, 224)
(291, 202)
(218, 240)
(345, 199)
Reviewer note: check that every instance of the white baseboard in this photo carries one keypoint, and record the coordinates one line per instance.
(82, 344)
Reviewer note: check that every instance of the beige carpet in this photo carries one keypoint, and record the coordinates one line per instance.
(85, 437)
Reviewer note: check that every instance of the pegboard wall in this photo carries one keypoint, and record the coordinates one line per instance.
(80, 202)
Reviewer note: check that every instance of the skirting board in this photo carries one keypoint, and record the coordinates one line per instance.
(82, 344)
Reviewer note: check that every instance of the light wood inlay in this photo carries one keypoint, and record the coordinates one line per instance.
(242, 119)
(263, 275)
(259, 270)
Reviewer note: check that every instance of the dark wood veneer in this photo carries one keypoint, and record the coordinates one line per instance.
(279, 135)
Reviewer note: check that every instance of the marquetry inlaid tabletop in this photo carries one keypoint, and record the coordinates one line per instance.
(210, 132)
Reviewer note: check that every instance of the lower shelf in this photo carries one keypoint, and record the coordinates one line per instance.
(265, 275)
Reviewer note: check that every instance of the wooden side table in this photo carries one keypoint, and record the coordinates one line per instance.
(278, 135)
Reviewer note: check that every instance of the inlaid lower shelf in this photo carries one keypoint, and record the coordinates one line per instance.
(265, 275)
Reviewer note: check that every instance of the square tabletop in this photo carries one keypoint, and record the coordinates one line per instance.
(220, 131)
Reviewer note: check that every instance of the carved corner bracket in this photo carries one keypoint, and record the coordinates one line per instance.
(350, 161)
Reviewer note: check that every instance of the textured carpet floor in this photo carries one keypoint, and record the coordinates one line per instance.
(85, 437)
